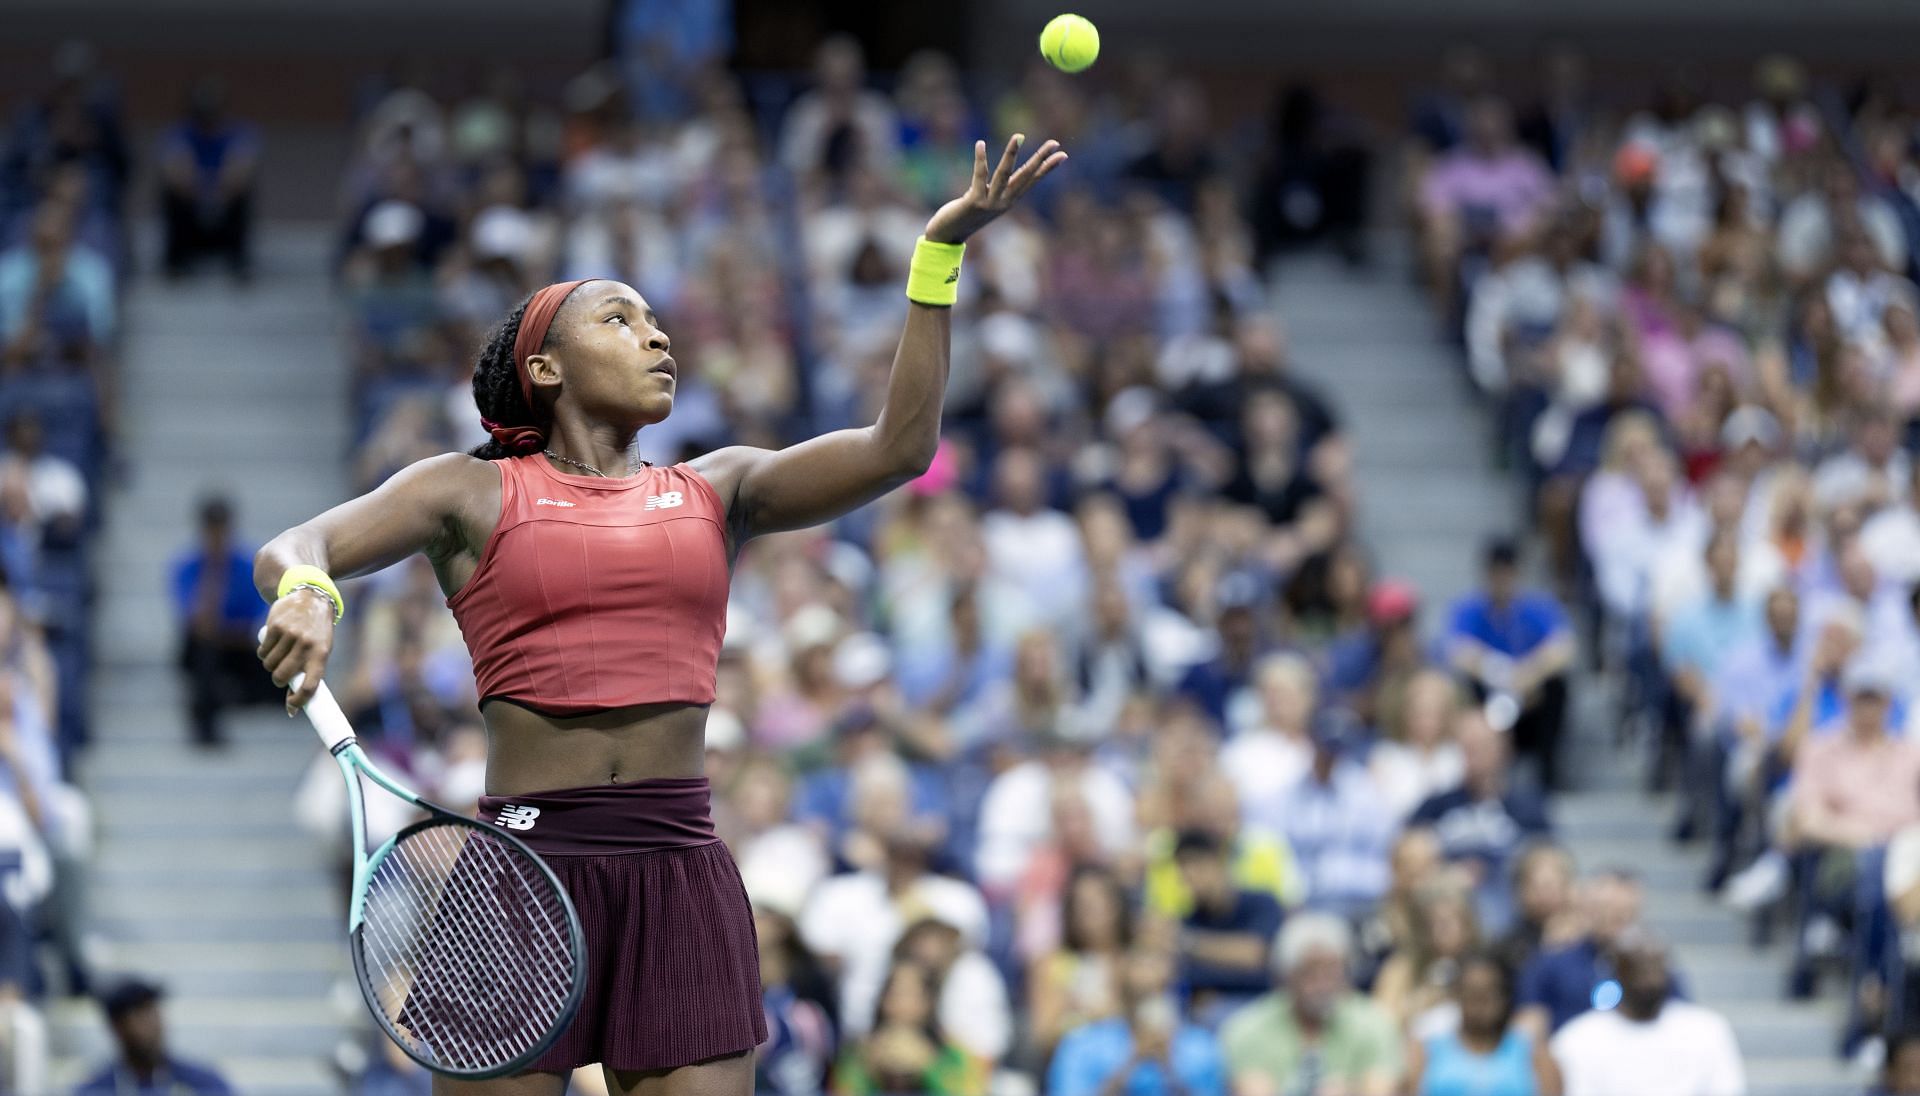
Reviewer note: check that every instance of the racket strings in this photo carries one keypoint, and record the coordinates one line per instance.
(467, 948)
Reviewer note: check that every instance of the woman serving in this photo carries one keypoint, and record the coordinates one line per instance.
(593, 596)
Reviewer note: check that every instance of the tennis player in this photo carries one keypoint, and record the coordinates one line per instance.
(593, 596)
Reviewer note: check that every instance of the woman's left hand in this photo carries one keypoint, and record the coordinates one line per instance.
(991, 195)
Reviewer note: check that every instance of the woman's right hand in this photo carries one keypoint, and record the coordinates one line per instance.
(297, 640)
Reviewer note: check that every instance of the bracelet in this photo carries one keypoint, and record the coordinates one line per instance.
(934, 276)
(305, 576)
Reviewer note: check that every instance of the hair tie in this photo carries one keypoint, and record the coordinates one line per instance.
(517, 439)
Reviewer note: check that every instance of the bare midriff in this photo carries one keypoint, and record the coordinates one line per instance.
(530, 752)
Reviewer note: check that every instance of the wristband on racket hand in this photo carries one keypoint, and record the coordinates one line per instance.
(934, 277)
(305, 576)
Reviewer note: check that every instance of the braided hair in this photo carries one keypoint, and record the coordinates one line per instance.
(496, 384)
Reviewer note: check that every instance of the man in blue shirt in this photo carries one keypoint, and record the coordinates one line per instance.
(1516, 643)
(1146, 1051)
(1697, 636)
(1749, 681)
(1561, 984)
(1224, 940)
(143, 1067)
(220, 614)
(207, 167)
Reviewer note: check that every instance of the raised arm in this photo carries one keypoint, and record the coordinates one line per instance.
(436, 506)
(767, 491)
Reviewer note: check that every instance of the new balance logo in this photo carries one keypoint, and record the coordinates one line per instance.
(551, 502)
(953, 277)
(516, 817)
(666, 501)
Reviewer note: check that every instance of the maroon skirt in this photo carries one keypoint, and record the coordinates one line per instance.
(673, 966)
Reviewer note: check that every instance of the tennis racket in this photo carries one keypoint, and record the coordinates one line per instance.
(467, 950)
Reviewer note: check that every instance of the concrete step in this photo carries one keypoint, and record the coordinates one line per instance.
(256, 1076)
(236, 956)
(237, 926)
(237, 855)
(231, 900)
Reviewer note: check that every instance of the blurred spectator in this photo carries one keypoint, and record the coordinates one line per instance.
(56, 292)
(905, 1051)
(1079, 982)
(1488, 1055)
(1332, 819)
(1147, 1050)
(1416, 986)
(1486, 819)
(838, 124)
(853, 921)
(1224, 940)
(1487, 189)
(1014, 819)
(1563, 982)
(43, 495)
(1513, 643)
(220, 612)
(1651, 1043)
(208, 164)
(142, 1066)
(1419, 756)
(1316, 1032)
(1313, 179)
(799, 1005)
(1545, 918)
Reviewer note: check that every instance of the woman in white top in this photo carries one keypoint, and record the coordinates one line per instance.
(1418, 758)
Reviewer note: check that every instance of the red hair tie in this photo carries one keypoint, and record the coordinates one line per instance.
(517, 439)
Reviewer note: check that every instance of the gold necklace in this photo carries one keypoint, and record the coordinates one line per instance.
(631, 468)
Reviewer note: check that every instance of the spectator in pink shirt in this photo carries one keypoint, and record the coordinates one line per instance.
(1489, 189)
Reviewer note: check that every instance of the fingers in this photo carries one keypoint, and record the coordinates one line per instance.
(1005, 169)
(310, 671)
(277, 654)
(1044, 160)
(980, 166)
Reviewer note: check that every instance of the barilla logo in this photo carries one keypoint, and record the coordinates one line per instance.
(551, 502)
(516, 817)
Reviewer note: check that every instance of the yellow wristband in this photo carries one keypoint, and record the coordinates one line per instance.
(306, 574)
(934, 277)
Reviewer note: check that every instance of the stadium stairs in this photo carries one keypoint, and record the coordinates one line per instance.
(1421, 442)
(201, 878)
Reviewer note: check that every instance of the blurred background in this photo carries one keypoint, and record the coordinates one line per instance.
(1423, 556)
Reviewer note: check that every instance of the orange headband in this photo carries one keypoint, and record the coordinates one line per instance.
(541, 309)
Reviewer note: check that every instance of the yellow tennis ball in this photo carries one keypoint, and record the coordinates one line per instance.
(1069, 43)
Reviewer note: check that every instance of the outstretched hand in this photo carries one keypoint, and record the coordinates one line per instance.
(990, 195)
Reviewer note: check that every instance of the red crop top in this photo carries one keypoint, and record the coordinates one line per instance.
(598, 593)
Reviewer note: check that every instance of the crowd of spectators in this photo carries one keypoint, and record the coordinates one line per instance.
(1100, 758)
(1698, 320)
(65, 171)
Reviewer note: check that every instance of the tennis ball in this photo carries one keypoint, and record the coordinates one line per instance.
(1069, 43)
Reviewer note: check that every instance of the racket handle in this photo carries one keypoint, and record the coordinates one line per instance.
(329, 722)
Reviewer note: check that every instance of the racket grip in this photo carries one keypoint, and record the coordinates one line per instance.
(323, 711)
(329, 722)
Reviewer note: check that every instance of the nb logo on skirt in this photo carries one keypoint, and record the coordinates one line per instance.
(516, 817)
